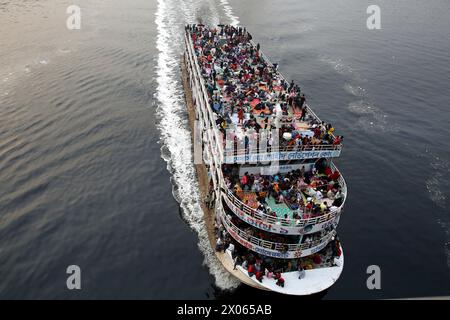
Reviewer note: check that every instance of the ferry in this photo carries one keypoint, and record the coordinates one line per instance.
(271, 194)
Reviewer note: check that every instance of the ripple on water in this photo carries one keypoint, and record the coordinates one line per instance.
(438, 182)
(370, 117)
(355, 90)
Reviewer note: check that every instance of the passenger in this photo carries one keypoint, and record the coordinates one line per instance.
(337, 140)
(318, 195)
(303, 114)
(226, 245)
(280, 198)
(244, 181)
(302, 101)
(238, 261)
(258, 269)
(276, 187)
(219, 245)
(241, 116)
(251, 181)
(335, 176)
(251, 270)
(280, 280)
(301, 271)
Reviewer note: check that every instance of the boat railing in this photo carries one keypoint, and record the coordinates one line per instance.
(294, 148)
(308, 108)
(265, 218)
(265, 244)
(203, 95)
(221, 137)
(342, 183)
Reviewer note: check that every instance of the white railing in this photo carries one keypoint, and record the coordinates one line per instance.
(342, 183)
(265, 218)
(274, 249)
(204, 96)
(194, 62)
(310, 147)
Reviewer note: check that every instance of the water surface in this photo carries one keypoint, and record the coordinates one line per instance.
(95, 159)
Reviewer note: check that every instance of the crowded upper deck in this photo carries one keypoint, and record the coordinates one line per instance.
(248, 94)
(288, 197)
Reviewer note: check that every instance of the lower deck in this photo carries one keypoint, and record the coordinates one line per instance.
(313, 281)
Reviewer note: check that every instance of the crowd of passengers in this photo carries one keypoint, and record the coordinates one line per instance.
(308, 193)
(264, 267)
(242, 84)
(279, 242)
(288, 137)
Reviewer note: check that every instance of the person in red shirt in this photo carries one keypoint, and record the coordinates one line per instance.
(317, 259)
(316, 132)
(241, 115)
(251, 270)
(328, 171)
(280, 280)
(244, 180)
(335, 175)
(337, 141)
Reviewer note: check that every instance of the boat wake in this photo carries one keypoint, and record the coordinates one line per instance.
(170, 19)
(438, 180)
(437, 184)
(370, 118)
(234, 20)
(446, 227)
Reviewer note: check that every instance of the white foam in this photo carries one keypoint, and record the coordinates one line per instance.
(337, 64)
(436, 183)
(371, 118)
(175, 133)
(438, 179)
(64, 51)
(433, 185)
(361, 107)
(446, 227)
(355, 90)
(234, 20)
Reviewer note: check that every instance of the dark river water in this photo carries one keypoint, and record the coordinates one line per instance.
(95, 153)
